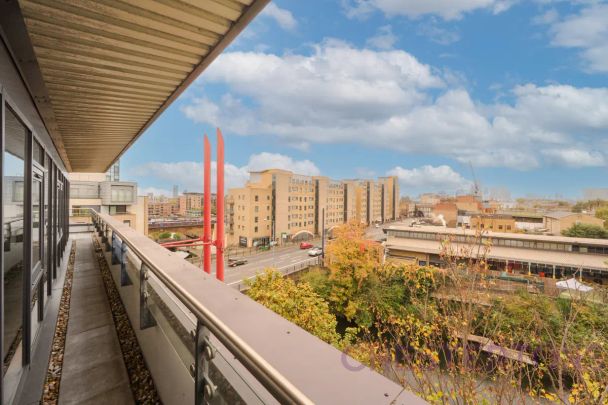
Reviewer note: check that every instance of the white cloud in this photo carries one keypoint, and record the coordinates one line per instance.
(384, 38)
(575, 157)
(430, 178)
(548, 17)
(283, 17)
(153, 190)
(435, 33)
(587, 30)
(388, 99)
(266, 160)
(188, 175)
(446, 9)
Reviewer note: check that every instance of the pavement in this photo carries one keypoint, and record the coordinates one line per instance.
(93, 368)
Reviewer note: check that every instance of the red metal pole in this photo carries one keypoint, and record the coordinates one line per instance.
(219, 209)
(207, 206)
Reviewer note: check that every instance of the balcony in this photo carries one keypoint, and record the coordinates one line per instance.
(122, 319)
(202, 340)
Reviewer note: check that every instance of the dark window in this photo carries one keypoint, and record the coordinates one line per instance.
(118, 209)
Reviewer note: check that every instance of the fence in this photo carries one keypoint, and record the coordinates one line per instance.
(243, 285)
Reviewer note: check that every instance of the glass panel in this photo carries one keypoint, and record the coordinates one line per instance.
(36, 194)
(14, 169)
(37, 152)
(46, 210)
(235, 385)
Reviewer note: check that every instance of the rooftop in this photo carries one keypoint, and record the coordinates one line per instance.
(499, 235)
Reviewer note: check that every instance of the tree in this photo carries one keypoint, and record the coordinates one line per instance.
(602, 213)
(586, 231)
(296, 303)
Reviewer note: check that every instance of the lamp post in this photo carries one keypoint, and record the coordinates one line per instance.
(272, 237)
(323, 234)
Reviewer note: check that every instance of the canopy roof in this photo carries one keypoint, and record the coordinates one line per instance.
(101, 71)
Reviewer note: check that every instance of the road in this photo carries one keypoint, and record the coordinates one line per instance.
(284, 259)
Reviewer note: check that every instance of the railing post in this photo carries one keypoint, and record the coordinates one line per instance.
(115, 259)
(124, 276)
(104, 237)
(146, 319)
(108, 244)
(100, 230)
(204, 389)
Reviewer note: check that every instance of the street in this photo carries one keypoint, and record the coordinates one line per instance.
(284, 259)
(280, 259)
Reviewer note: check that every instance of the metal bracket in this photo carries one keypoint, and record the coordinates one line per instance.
(146, 319)
(205, 389)
(124, 276)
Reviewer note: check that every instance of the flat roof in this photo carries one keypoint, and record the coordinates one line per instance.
(570, 259)
(498, 235)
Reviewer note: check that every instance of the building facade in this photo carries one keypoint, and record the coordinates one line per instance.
(557, 222)
(542, 255)
(494, 223)
(163, 208)
(35, 195)
(278, 205)
(117, 198)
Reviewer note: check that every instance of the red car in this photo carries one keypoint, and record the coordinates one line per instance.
(305, 245)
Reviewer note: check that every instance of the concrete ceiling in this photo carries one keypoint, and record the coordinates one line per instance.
(110, 67)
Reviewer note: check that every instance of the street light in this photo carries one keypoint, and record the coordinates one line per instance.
(272, 237)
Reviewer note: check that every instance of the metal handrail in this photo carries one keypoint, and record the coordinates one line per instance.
(281, 388)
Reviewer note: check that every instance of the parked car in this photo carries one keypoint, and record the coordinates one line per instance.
(315, 251)
(233, 262)
(305, 245)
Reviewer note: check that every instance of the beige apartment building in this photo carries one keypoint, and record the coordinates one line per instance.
(190, 204)
(283, 206)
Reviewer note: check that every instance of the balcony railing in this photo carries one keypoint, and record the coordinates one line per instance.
(204, 342)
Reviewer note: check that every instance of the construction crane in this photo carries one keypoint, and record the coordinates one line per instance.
(476, 186)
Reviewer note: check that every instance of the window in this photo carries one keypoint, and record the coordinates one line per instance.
(256, 198)
(122, 194)
(255, 229)
(127, 222)
(14, 173)
(37, 153)
(118, 209)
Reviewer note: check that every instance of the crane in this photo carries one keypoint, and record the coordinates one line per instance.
(476, 186)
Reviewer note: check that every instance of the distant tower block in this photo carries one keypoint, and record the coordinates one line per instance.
(175, 191)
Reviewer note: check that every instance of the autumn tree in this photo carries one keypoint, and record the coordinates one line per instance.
(296, 303)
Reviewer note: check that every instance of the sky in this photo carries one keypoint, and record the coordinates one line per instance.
(513, 92)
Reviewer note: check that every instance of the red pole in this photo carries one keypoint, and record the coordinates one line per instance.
(207, 206)
(219, 209)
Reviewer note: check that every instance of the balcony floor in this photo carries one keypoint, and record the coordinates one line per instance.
(93, 368)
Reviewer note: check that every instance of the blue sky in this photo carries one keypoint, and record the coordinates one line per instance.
(417, 88)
